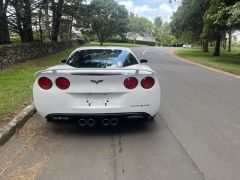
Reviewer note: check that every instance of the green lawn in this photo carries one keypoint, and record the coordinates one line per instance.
(229, 62)
(16, 81)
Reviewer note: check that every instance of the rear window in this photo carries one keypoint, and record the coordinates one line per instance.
(101, 58)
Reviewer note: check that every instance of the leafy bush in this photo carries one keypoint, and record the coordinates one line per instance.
(15, 39)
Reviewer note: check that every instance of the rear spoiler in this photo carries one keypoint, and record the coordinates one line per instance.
(93, 72)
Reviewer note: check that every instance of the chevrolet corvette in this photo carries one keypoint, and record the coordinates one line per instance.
(98, 84)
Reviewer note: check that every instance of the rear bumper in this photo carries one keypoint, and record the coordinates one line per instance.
(101, 116)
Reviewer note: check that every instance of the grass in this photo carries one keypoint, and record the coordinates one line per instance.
(228, 61)
(16, 81)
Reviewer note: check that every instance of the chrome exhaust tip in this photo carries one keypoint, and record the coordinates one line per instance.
(82, 122)
(91, 122)
(114, 121)
(105, 122)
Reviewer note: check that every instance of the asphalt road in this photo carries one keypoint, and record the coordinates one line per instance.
(196, 135)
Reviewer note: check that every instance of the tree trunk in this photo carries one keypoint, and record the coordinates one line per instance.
(40, 24)
(4, 31)
(16, 5)
(70, 28)
(57, 14)
(224, 44)
(27, 22)
(217, 47)
(23, 19)
(229, 41)
(46, 18)
(101, 38)
(205, 46)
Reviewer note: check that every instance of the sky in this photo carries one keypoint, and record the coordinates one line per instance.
(151, 8)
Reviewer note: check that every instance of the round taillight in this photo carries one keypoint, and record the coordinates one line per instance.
(147, 82)
(62, 83)
(131, 83)
(45, 83)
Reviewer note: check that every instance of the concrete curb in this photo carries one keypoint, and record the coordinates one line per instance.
(16, 123)
(173, 53)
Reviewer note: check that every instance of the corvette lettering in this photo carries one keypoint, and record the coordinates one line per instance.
(140, 105)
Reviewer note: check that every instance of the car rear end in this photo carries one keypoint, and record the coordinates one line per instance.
(67, 94)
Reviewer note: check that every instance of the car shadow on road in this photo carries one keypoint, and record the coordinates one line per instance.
(73, 129)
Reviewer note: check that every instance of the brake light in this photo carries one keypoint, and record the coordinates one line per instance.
(62, 83)
(147, 82)
(131, 83)
(45, 83)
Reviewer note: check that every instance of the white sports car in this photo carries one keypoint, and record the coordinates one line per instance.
(98, 85)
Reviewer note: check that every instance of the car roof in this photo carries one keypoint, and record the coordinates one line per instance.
(103, 47)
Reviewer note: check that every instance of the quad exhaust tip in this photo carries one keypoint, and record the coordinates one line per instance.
(105, 122)
(82, 122)
(91, 122)
(114, 121)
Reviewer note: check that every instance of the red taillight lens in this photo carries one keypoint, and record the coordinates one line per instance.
(131, 83)
(147, 82)
(62, 83)
(45, 83)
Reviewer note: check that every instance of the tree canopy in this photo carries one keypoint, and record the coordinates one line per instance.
(139, 25)
(206, 20)
(107, 18)
(187, 23)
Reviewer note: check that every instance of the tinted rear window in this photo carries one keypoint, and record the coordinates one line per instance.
(101, 58)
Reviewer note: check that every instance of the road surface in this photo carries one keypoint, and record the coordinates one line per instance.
(196, 135)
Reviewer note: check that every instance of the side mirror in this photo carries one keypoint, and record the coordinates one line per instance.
(63, 61)
(143, 61)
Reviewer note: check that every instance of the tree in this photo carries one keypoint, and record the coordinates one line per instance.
(134, 26)
(38, 15)
(83, 22)
(222, 17)
(227, 18)
(46, 20)
(20, 19)
(158, 21)
(4, 31)
(215, 30)
(233, 21)
(107, 18)
(187, 23)
(56, 18)
(27, 21)
(72, 11)
(164, 34)
(139, 26)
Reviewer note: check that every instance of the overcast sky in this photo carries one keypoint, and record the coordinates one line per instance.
(150, 8)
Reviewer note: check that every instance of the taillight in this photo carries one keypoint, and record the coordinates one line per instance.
(62, 83)
(147, 82)
(131, 83)
(45, 83)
